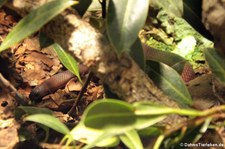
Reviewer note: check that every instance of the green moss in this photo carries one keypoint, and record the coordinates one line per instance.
(175, 34)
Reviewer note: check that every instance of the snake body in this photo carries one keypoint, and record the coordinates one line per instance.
(180, 64)
(59, 80)
(54, 83)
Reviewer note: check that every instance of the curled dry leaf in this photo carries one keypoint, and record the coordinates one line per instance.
(35, 64)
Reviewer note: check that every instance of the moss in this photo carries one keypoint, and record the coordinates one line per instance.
(175, 34)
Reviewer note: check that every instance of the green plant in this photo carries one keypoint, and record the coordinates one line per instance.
(108, 121)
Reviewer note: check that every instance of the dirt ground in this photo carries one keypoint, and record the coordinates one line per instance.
(25, 66)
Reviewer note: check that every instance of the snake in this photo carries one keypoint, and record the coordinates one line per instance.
(54, 83)
(180, 64)
(59, 80)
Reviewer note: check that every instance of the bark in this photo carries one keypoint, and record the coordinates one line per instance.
(92, 49)
(213, 17)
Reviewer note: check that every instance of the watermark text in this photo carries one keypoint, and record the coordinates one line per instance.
(183, 144)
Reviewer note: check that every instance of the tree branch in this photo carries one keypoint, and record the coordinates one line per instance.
(92, 49)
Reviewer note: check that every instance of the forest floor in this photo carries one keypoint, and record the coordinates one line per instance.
(26, 65)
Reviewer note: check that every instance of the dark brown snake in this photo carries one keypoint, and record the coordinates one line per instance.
(54, 83)
(59, 80)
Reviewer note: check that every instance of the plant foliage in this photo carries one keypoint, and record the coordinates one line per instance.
(124, 20)
(102, 125)
(106, 122)
(216, 63)
(170, 82)
(34, 21)
(67, 60)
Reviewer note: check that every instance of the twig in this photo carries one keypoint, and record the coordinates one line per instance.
(184, 125)
(192, 122)
(83, 89)
(5, 84)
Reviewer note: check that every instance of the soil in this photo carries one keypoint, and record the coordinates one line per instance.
(26, 65)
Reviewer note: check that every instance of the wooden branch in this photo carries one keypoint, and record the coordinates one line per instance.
(213, 15)
(6, 85)
(92, 49)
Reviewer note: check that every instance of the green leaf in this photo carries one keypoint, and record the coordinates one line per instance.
(145, 108)
(132, 140)
(111, 115)
(116, 117)
(67, 60)
(105, 119)
(125, 18)
(97, 140)
(170, 82)
(34, 110)
(143, 121)
(88, 136)
(173, 60)
(150, 131)
(172, 6)
(137, 53)
(152, 109)
(34, 21)
(49, 121)
(216, 62)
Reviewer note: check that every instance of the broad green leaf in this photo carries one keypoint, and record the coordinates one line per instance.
(2, 2)
(21, 110)
(111, 115)
(171, 59)
(172, 6)
(144, 121)
(35, 110)
(34, 21)
(93, 137)
(144, 108)
(132, 140)
(137, 53)
(67, 60)
(152, 109)
(97, 140)
(104, 120)
(125, 18)
(88, 135)
(216, 62)
(150, 131)
(116, 117)
(170, 82)
(49, 121)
